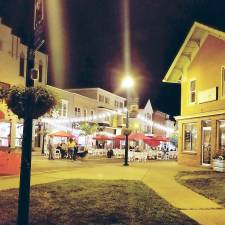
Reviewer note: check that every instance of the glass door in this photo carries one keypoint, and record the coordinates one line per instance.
(206, 143)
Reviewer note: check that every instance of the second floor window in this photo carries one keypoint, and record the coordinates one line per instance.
(40, 68)
(77, 111)
(22, 65)
(101, 98)
(106, 100)
(223, 81)
(63, 108)
(193, 91)
(85, 112)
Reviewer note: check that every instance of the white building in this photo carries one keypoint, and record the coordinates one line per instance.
(106, 102)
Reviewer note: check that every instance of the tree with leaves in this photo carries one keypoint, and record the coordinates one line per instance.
(88, 129)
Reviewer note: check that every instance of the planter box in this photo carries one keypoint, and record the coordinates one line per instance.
(219, 165)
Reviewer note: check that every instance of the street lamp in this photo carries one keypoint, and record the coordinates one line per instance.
(127, 84)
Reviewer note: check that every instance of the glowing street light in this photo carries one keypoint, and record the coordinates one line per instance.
(127, 84)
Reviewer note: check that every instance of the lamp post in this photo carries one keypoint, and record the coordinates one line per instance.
(127, 84)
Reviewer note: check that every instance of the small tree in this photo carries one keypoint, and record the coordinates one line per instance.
(88, 129)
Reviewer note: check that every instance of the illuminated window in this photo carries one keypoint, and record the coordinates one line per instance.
(19, 135)
(192, 91)
(190, 136)
(221, 136)
(5, 128)
(223, 80)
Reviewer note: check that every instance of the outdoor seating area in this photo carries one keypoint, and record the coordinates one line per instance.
(141, 147)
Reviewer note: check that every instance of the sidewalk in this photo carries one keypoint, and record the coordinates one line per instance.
(157, 175)
(160, 177)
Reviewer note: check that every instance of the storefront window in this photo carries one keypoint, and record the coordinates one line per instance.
(222, 135)
(190, 136)
(19, 134)
(5, 134)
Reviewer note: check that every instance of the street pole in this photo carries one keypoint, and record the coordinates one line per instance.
(25, 171)
(126, 135)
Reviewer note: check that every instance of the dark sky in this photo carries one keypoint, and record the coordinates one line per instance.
(94, 31)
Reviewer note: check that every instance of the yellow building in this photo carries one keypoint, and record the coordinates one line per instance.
(13, 55)
(200, 69)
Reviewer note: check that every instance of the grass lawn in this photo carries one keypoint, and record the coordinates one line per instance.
(208, 183)
(93, 202)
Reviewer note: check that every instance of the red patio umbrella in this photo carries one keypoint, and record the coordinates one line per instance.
(120, 137)
(62, 134)
(161, 138)
(137, 136)
(102, 138)
(151, 141)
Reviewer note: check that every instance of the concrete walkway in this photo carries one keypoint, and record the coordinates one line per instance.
(157, 175)
(160, 177)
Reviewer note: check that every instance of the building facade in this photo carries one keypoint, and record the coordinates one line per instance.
(200, 69)
(106, 103)
(13, 57)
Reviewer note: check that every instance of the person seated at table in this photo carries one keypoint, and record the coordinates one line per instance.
(62, 149)
(82, 152)
(110, 153)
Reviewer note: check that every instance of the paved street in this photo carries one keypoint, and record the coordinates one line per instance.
(158, 175)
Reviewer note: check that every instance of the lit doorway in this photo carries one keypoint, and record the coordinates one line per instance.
(206, 143)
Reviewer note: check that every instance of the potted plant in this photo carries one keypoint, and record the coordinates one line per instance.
(219, 162)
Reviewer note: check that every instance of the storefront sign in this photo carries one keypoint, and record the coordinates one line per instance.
(208, 95)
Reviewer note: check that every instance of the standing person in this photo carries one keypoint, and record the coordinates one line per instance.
(71, 145)
(50, 149)
(75, 151)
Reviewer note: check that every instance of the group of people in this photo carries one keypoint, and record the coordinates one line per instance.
(67, 150)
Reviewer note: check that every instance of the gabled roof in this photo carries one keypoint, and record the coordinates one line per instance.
(192, 43)
(148, 106)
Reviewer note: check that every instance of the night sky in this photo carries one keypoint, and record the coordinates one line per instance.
(94, 57)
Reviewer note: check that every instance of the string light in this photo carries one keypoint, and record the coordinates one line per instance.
(102, 116)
